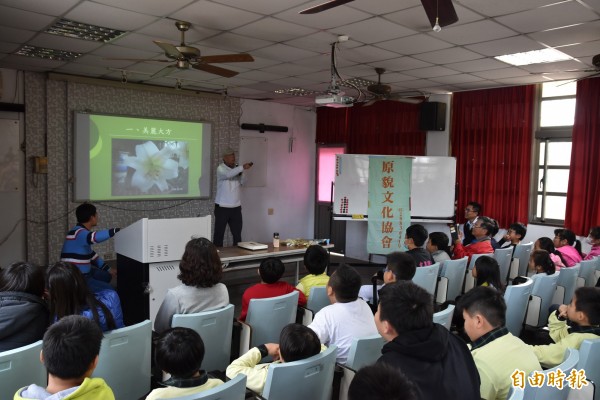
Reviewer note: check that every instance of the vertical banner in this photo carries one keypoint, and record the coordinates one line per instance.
(389, 203)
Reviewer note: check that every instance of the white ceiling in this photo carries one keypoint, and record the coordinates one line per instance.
(292, 50)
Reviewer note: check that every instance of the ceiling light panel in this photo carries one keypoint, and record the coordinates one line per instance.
(47, 54)
(80, 30)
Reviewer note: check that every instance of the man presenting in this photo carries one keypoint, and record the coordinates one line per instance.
(228, 206)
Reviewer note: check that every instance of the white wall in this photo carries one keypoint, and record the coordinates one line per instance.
(290, 188)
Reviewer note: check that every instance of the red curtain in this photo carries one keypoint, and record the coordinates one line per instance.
(583, 194)
(386, 127)
(492, 137)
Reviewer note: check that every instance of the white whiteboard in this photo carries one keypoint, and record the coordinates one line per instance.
(432, 187)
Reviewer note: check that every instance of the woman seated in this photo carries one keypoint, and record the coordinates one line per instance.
(23, 312)
(545, 243)
(200, 272)
(69, 294)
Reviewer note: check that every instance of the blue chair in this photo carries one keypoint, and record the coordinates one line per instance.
(469, 280)
(516, 298)
(215, 328)
(452, 275)
(544, 287)
(364, 351)
(549, 392)
(427, 277)
(515, 394)
(124, 361)
(520, 260)
(444, 317)
(311, 378)
(566, 284)
(589, 360)
(21, 367)
(318, 299)
(587, 273)
(504, 258)
(234, 389)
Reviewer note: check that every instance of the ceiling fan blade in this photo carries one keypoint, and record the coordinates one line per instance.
(324, 6)
(169, 49)
(369, 103)
(443, 9)
(164, 72)
(227, 58)
(135, 59)
(213, 69)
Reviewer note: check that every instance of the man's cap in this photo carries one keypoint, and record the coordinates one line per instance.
(228, 151)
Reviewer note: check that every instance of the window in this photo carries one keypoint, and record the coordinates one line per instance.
(553, 150)
(326, 171)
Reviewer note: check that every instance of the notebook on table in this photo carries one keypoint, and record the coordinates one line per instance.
(252, 246)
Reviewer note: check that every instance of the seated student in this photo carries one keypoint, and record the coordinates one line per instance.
(482, 230)
(23, 313)
(179, 352)
(270, 270)
(540, 263)
(316, 260)
(200, 272)
(347, 317)
(593, 239)
(399, 267)
(69, 294)
(415, 238)
(296, 342)
(487, 273)
(493, 233)
(566, 242)
(497, 353)
(70, 354)
(437, 245)
(545, 243)
(584, 314)
(381, 382)
(435, 360)
(515, 234)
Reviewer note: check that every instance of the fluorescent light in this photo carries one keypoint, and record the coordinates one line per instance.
(534, 57)
(48, 54)
(80, 30)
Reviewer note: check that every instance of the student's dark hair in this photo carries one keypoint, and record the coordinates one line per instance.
(297, 342)
(84, 212)
(69, 294)
(476, 206)
(519, 228)
(417, 233)
(488, 224)
(402, 265)
(70, 346)
(271, 270)
(345, 283)
(595, 232)
(316, 259)
(381, 382)
(588, 302)
(547, 244)
(200, 265)
(23, 277)
(569, 236)
(441, 241)
(488, 271)
(405, 306)
(487, 302)
(179, 351)
(542, 258)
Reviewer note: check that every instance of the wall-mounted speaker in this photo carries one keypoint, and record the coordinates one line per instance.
(433, 116)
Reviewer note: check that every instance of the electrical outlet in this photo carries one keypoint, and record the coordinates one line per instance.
(110, 256)
(269, 211)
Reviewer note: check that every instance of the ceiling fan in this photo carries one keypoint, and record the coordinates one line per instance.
(439, 12)
(595, 70)
(183, 57)
(380, 91)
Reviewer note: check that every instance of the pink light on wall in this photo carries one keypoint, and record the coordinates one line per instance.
(326, 173)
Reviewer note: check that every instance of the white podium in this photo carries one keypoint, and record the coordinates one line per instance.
(148, 255)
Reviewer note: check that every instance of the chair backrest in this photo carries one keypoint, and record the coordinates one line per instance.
(234, 389)
(364, 351)
(589, 360)
(515, 393)
(215, 328)
(566, 285)
(469, 280)
(544, 287)
(267, 317)
(522, 252)
(550, 392)
(517, 297)
(427, 277)
(21, 367)
(318, 299)
(311, 378)
(454, 272)
(587, 272)
(444, 317)
(504, 257)
(124, 361)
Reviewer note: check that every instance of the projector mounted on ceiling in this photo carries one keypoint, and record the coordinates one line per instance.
(334, 96)
(334, 100)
